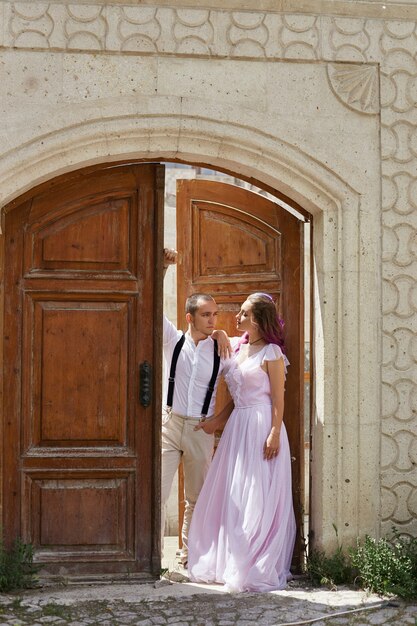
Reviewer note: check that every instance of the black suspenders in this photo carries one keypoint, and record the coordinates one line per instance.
(210, 388)
(171, 379)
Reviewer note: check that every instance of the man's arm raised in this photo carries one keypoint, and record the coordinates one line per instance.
(170, 258)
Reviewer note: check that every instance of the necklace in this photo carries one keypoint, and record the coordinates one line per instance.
(253, 342)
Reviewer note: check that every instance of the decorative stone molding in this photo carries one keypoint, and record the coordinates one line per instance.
(398, 46)
(162, 30)
(389, 9)
(171, 134)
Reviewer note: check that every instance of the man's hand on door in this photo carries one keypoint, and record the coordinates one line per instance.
(170, 258)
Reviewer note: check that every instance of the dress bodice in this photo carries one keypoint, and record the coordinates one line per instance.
(248, 382)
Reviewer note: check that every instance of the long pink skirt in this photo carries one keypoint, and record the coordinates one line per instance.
(243, 528)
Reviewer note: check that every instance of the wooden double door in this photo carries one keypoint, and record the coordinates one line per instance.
(82, 350)
(82, 310)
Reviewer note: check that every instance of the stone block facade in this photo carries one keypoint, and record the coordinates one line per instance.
(319, 103)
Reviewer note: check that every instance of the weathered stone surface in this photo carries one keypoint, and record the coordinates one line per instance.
(200, 605)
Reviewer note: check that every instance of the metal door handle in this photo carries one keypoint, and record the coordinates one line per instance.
(145, 384)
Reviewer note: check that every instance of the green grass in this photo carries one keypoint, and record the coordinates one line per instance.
(56, 610)
(17, 570)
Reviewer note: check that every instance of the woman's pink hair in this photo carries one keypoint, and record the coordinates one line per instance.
(265, 315)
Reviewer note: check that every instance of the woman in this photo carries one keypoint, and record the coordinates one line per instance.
(243, 528)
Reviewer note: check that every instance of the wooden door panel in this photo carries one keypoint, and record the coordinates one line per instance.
(233, 242)
(95, 509)
(76, 384)
(94, 233)
(78, 241)
(245, 248)
(82, 308)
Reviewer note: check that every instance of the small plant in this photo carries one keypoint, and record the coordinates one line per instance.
(332, 570)
(56, 610)
(17, 570)
(16, 604)
(387, 567)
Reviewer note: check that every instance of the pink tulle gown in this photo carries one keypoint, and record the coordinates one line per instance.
(243, 528)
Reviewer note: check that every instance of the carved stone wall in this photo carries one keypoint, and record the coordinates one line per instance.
(394, 46)
(371, 69)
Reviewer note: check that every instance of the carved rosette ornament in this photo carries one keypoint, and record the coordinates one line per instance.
(355, 85)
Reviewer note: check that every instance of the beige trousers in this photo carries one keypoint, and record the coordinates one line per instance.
(195, 448)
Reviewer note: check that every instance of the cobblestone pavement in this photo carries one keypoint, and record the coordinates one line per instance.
(187, 604)
(173, 601)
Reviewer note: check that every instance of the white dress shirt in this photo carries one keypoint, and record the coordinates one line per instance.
(193, 373)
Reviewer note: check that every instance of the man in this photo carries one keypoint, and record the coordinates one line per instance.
(188, 399)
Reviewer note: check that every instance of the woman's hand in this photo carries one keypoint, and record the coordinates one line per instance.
(217, 422)
(224, 347)
(271, 447)
(208, 425)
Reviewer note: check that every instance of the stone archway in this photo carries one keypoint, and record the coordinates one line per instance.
(346, 424)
